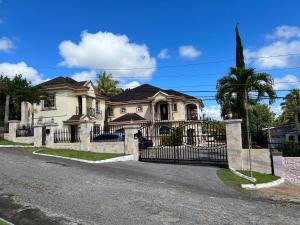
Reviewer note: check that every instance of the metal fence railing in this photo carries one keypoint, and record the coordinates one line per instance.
(66, 136)
(112, 133)
(25, 131)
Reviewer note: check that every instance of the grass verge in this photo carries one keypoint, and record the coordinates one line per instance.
(93, 156)
(235, 181)
(6, 142)
(3, 223)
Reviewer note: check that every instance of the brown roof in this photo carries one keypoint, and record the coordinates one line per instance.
(63, 81)
(143, 92)
(128, 117)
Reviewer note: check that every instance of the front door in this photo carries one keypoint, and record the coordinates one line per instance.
(164, 112)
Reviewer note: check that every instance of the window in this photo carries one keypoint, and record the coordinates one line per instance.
(164, 130)
(97, 106)
(298, 117)
(110, 111)
(123, 110)
(139, 108)
(174, 107)
(50, 103)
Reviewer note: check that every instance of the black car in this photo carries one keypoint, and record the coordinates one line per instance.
(145, 143)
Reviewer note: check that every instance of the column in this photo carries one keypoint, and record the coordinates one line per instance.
(153, 111)
(38, 135)
(24, 113)
(84, 105)
(13, 126)
(131, 144)
(85, 132)
(234, 143)
(50, 130)
(170, 117)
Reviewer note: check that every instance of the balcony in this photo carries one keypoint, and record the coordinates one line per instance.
(89, 111)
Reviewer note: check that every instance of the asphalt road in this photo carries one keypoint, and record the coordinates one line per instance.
(39, 190)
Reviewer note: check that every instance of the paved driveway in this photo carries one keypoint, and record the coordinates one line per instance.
(130, 193)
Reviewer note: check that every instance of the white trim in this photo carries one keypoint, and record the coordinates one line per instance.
(159, 93)
(116, 159)
(252, 179)
(5, 221)
(264, 185)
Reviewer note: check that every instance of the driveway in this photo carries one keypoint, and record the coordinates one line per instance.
(128, 193)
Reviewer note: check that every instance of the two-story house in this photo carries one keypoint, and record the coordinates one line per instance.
(69, 102)
(149, 103)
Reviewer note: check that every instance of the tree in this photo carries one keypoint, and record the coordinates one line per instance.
(107, 86)
(234, 88)
(260, 116)
(290, 101)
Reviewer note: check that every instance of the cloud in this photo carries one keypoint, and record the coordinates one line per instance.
(6, 44)
(189, 51)
(111, 52)
(212, 111)
(277, 110)
(10, 70)
(164, 54)
(130, 85)
(85, 75)
(287, 82)
(285, 40)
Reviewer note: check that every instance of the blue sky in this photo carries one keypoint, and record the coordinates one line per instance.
(45, 39)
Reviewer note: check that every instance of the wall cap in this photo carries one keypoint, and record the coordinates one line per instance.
(233, 121)
(14, 121)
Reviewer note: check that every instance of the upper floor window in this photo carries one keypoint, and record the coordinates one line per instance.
(175, 107)
(139, 108)
(123, 110)
(97, 106)
(50, 103)
(110, 111)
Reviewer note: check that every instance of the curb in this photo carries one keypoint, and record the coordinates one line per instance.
(252, 179)
(264, 185)
(16, 146)
(5, 221)
(116, 159)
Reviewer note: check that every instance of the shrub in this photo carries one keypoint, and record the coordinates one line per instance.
(174, 138)
(290, 149)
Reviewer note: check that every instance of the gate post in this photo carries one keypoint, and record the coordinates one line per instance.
(234, 143)
(13, 126)
(85, 135)
(38, 135)
(131, 143)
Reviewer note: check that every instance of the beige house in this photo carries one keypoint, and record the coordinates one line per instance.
(149, 103)
(69, 103)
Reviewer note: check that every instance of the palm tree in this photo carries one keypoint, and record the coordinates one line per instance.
(234, 88)
(107, 86)
(291, 100)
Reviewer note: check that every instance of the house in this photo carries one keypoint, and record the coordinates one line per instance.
(70, 102)
(149, 103)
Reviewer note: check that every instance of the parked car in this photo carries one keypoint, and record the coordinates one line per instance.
(110, 137)
(145, 143)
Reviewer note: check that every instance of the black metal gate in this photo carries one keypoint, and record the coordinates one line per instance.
(183, 142)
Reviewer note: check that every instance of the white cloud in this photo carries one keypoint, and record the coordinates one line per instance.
(285, 40)
(287, 82)
(130, 85)
(111, 52)
(85, 75)
(10, 70)
(6, 44)
(212, 111)
(164, 54)
(189, 51)
(277, 110)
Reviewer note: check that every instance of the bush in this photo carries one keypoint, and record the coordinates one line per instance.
(290, 149)
(174, 138)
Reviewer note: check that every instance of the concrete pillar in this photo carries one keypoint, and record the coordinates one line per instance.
(84, 132)
(131, 143)
(84, 105)
(13, 126)
(153, 111)
(234, 143)
(38, 135)
(50, 130)
(24, 114)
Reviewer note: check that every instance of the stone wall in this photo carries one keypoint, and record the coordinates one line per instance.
(288, 168)
(26, 140)
(260, 158)
(107, 147)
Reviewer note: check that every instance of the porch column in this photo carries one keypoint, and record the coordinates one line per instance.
(84, 105)
(234, 143)
(153, 111)
(170, 116)
(198, 112)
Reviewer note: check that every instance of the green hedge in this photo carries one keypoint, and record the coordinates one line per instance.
(174, 138)
(290, 149)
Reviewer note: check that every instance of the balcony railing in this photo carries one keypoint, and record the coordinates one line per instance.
(89, 111)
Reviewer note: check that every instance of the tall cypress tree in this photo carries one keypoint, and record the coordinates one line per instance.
(239, 56)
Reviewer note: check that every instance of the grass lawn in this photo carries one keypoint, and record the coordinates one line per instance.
(93, 156)
(235, 181)
(5, 142)
(2, 223)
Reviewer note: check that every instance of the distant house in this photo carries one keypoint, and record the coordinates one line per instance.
(149, 103)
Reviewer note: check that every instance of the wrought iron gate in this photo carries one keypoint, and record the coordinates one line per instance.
(183, 142)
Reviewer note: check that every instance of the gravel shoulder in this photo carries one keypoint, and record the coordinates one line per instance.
(132, 193)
